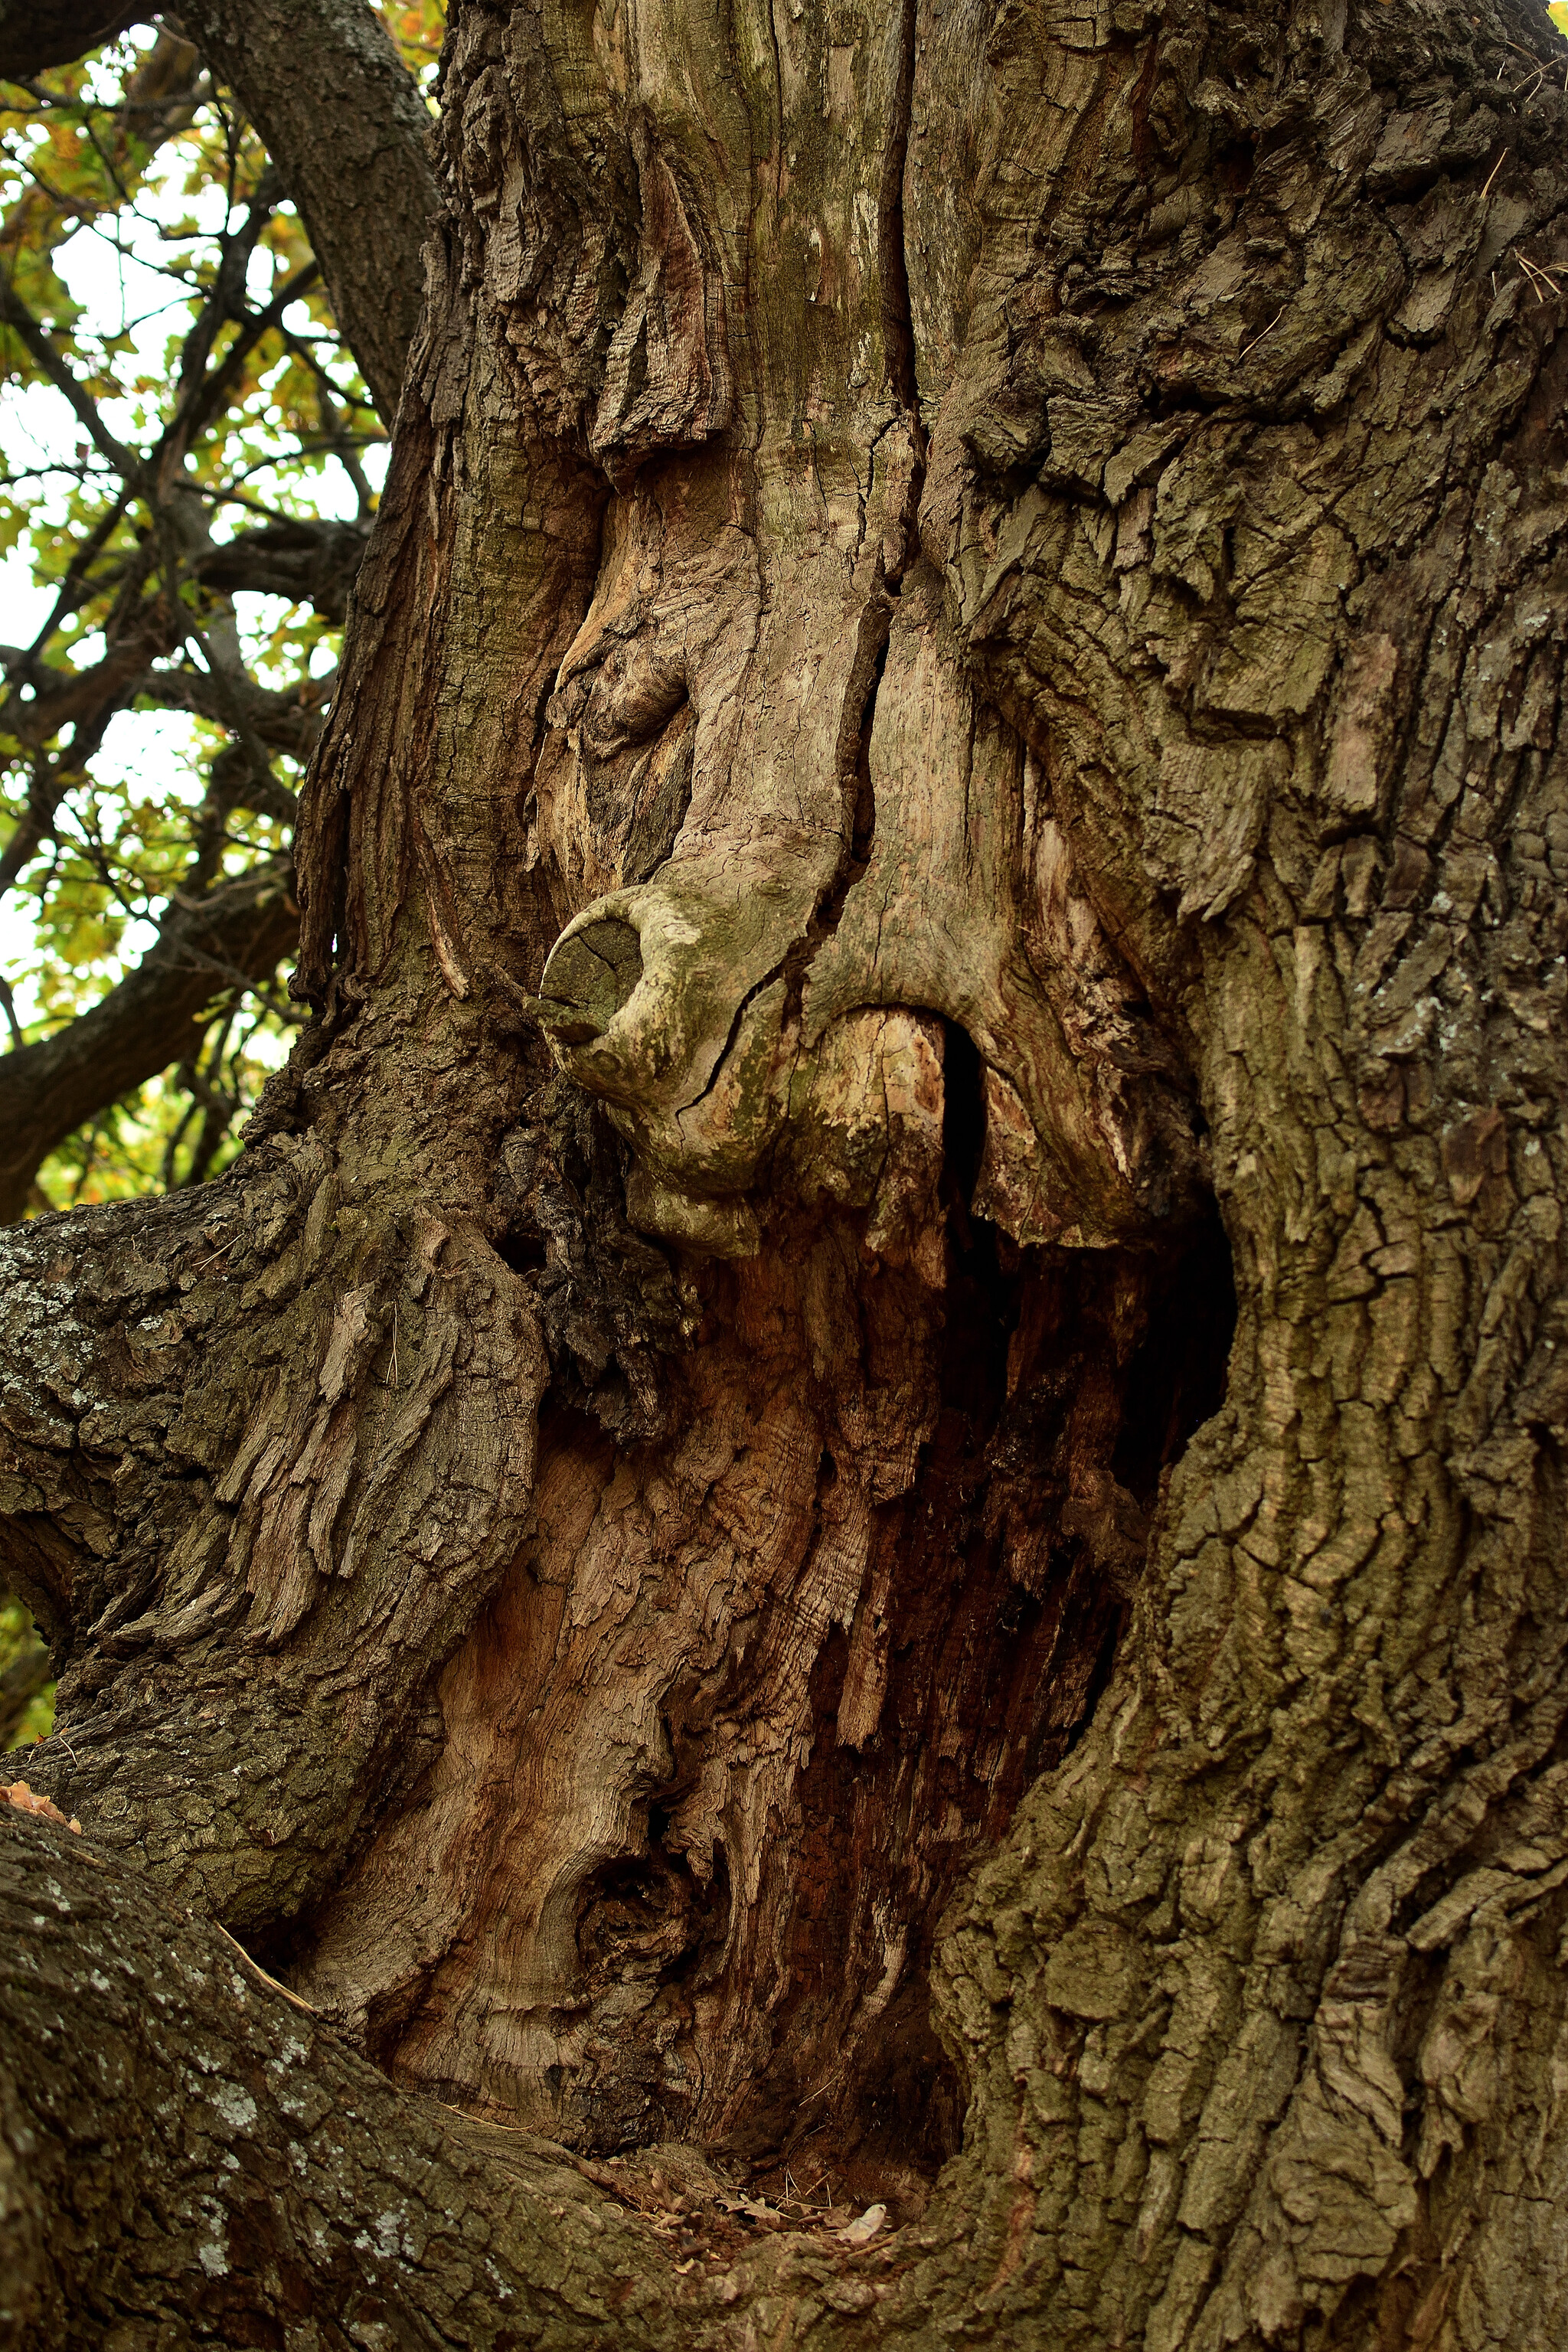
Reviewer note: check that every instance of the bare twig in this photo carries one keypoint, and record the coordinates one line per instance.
(1268, 330)
(296, 2001)
(8, 1001)
(1535, 275)
(16, 315)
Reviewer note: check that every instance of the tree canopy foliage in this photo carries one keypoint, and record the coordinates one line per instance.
(192, 461)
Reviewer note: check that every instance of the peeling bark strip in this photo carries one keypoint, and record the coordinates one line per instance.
(668, 377)
(715, 1594)
(307, 1544)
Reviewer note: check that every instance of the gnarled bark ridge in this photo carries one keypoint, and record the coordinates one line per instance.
(959, 677)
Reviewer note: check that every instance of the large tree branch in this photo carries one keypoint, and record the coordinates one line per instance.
(310, 563)
(289, 719)
(341, 119)
(176, 2133)
(38, 34)
(345, 126)
(182, 2139)
(152, 1018)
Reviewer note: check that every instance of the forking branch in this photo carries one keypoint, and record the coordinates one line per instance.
(156, 516)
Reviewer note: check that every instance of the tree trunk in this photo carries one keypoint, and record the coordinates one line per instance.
(864, 1471)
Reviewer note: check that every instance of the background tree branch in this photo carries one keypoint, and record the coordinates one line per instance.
(346, 128)
(155, 1016)
(341, 120)
(157, 562)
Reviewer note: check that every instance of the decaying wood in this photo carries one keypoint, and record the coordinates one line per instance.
(960, 674)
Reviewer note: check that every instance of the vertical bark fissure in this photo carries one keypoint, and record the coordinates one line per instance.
(875, 626)
(857, 828)
(892, 261)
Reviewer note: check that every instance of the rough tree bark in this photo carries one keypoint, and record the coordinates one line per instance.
(967, 626)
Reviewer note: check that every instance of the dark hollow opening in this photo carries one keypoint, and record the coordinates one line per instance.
(1176, 1379)
(963, 1108)
(984, 1615)
(1005, 1612)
